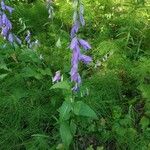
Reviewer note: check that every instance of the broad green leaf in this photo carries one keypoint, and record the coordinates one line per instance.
(65, 133)
(82, 109)
(65, 110)
(61, 85)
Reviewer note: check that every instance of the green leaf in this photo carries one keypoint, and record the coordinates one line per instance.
(65, 110)
(73, 127)
(82, 109)
(61, 85)
(65, 133)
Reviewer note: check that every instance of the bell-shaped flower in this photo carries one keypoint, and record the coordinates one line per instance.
(4, 31)
(10, 38)
(85, 44)
(75, 29)
(5, 7)
(85, 59)
(74, 43)
(6, 22)
(57, 77)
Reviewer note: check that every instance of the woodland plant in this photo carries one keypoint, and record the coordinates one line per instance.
(59, 92)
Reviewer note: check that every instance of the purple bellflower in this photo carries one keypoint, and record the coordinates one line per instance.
(10, 38)
(5, 7)
(6, 25)
(31, 44)
(13, 38)
(76, 45)
(57, 77)
(85, 44)
(75, 29)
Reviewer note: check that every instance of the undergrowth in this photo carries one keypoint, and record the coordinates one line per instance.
(116, 85)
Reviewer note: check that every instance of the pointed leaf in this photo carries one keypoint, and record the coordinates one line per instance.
(61, 85)
(82, 109)
(65, 133)
(64, 110)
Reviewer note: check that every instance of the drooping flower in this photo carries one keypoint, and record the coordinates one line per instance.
(76, 44)
(5, 7)
(85, 59)
(10, 38)
(57, 77)
(75, 29)
(6, 25)
(13, 38)
(85, 44)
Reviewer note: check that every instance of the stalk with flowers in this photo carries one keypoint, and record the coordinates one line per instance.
(6, 25)
(77, 44)
(71, 108)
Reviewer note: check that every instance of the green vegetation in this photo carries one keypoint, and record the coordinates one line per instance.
(112, 109)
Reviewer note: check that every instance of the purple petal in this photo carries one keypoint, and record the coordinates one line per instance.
(10, 9)
(84, 44)
(1, 23)
(85, 59)
(10, 38)
(3, 6)
(57, 77)
(74, 43)
(75, 55)
(4, 31)
(74, 29)
(76, 77)
(6, 22)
